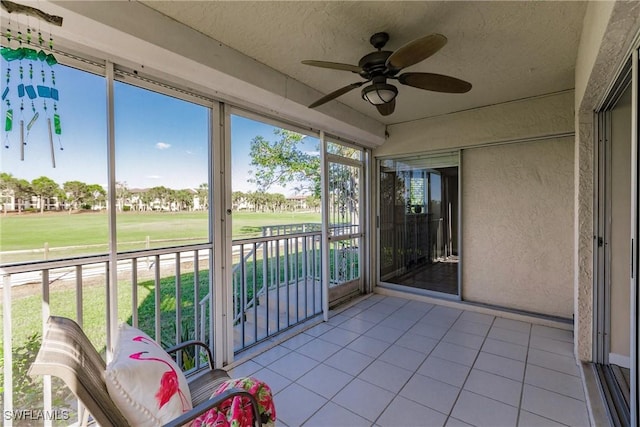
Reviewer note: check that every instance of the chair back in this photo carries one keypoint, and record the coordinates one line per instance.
(67, 353)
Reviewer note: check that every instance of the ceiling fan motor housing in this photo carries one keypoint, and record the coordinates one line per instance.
(374, 64)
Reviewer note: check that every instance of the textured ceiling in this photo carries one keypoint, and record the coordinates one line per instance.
(507, 50)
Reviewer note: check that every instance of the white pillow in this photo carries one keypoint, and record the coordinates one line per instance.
(144, 382)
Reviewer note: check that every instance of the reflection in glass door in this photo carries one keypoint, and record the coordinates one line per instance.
(419, 223)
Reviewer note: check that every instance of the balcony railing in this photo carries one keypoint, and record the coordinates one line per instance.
(165, 292)
(276, 283)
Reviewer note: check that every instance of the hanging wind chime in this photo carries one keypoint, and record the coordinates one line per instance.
(30, 50)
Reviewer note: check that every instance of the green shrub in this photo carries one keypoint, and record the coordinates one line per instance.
(27, 390)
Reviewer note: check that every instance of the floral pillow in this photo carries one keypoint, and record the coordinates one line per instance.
(144, 382)
(236, 411)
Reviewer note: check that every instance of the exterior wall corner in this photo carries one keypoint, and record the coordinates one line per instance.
(583, 255)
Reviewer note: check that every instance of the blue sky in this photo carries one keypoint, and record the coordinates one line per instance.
(160, 140)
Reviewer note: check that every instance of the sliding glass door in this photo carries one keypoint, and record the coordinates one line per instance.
(616, 231)
(418, 225)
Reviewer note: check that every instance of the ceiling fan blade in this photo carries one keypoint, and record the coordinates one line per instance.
(334, 65)
(387, 108)
(336, 93)
(415, 51)
(435, 82)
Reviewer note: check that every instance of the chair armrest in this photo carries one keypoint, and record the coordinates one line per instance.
(215, 401)
(191, 343)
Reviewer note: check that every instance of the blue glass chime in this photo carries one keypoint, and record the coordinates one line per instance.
(30, 90)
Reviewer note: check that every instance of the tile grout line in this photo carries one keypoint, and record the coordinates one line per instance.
(319, 363)
(524, 375)
(474, 361)
(526, 364)
(330, 400)
(408, 379)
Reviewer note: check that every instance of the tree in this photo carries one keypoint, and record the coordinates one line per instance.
(171, 198)
(162, 194)
(44, 188)
(184, 198)
(282, 162)
(276, 202)
(258, 200)
(7, 183)
(22, 191)
(122, 194)
(6, 180)
(203, 195)
(76, 192)
(96, 194)
(237, 198)
(147, 200)
(313, 202)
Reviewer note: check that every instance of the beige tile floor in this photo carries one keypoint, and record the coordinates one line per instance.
(389, 361)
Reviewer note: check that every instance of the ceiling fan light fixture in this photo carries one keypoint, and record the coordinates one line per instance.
(379, 93)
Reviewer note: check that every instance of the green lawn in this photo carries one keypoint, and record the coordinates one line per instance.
(33, 230)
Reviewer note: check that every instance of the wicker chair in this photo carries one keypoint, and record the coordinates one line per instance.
(67, 353)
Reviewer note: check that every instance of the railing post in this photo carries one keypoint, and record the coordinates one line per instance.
(46, 311)
(147, 245)
(8, 353)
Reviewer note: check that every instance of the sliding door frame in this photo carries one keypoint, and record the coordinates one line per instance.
(378, 246)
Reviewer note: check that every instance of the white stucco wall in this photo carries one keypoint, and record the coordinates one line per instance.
(530, 118)
(517, 191)
(594, 28)
(517, 230)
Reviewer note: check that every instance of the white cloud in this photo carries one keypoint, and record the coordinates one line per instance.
(154, 176)
(162, 146)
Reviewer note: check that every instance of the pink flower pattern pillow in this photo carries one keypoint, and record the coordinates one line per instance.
(144, 382)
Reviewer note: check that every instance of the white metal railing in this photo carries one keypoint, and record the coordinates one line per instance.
(285, 229)
(46, 252)
(148, 282)
(276, 284)
(166, 292)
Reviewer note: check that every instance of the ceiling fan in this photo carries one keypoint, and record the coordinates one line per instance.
(376, 67)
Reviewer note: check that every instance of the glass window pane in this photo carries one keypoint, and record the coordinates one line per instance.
(53, 189)
(344, 151)
(275, 183)
(161, 169)
(275, 179)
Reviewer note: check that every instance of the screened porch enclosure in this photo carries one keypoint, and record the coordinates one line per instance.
(169, 245)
